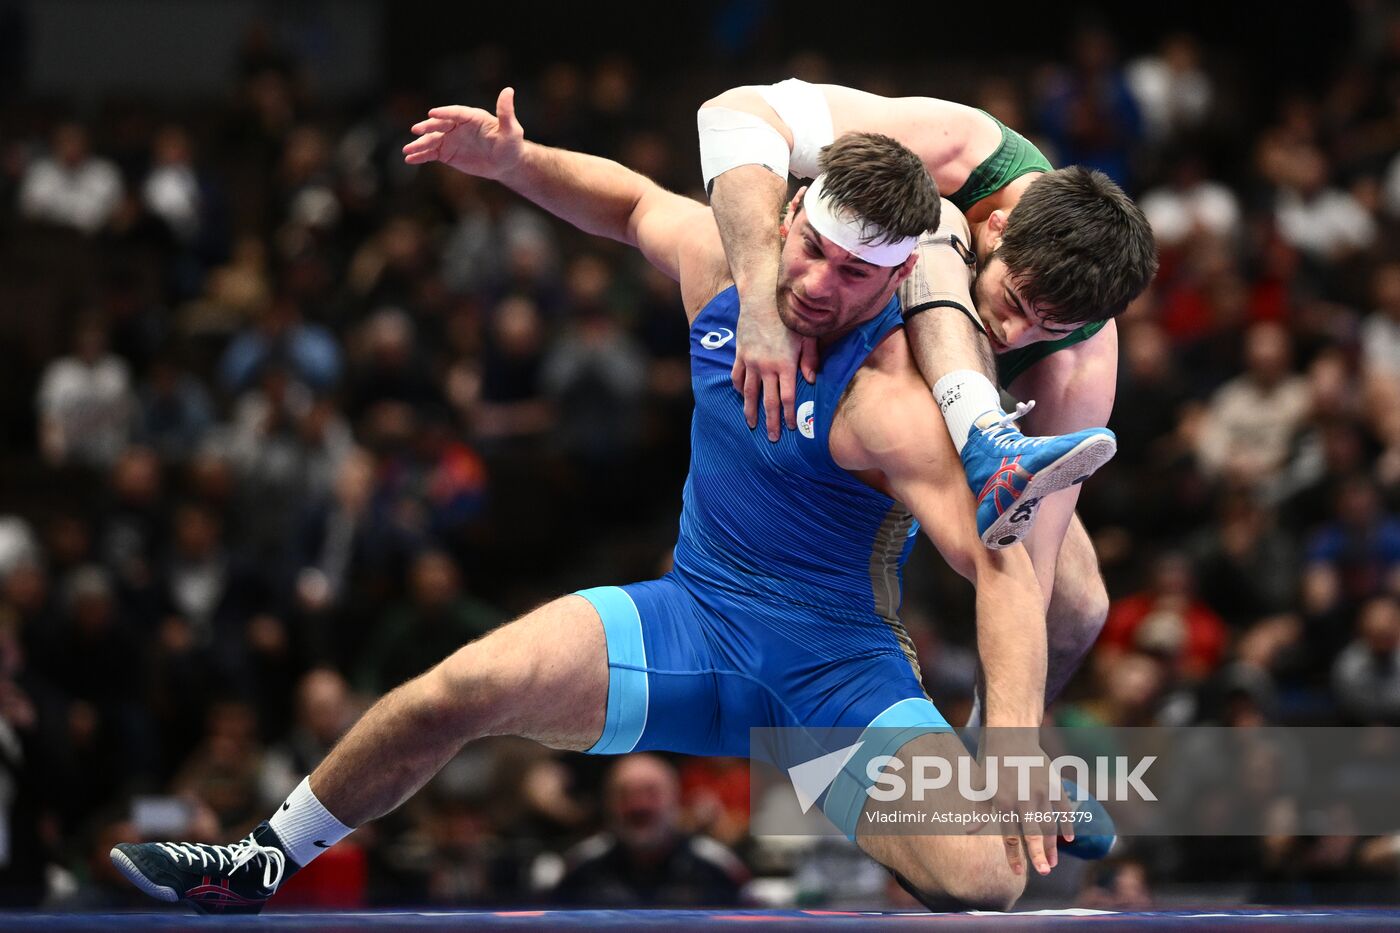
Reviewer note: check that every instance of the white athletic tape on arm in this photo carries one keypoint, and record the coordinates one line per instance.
(731, 138)
(804, 109)
(853, 234)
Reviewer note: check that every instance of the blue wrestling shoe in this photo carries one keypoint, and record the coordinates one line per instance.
(236, 879)
(1010, 474)
(1093, 838)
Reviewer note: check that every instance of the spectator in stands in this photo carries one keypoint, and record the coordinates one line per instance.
(1380, 336)
(1252, 420)
(1366, 675)
(1245, 562)
(510, 403)
(189, 203)
(175, 411)
(70, 186)
(644, 859)
(85, 401)
(439, 620)
(1325, 222)
(131, 536)
(1192, 205)
(1087, 110)
(340, 561)
(324, 710)
(280, 337)
(1356, 555)
(223, 771)
(390, 366)
(1172, 90)
(22, 766)
(1168, 620)
(595, 375)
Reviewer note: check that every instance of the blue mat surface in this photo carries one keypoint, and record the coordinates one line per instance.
(765, 920)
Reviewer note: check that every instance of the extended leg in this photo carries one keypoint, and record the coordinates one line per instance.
(1077, 611)
(544, 676)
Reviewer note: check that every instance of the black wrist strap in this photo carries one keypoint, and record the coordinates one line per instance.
(944, 303)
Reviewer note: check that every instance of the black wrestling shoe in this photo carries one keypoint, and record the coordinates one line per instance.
(235, 879)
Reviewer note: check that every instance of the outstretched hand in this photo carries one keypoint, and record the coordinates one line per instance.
(470, 139)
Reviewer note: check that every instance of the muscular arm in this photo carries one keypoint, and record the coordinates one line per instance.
(596, 195)
(874, 436)
(601, 197)
(948, 137)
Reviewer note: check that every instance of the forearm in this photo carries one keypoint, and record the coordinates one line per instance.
(597, 195)
(1011, 639)
(747, 202)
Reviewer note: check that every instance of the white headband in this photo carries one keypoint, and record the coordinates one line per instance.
(852, 233)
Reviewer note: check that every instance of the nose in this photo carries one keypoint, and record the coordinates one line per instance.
(819, 281)
(1014, 328)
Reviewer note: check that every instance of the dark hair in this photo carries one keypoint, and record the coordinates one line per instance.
(882, 182)
(1078, 247)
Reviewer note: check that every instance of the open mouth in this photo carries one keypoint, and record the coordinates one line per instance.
(805, 309)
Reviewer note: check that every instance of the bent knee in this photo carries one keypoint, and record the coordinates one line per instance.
(980, 881)
(466, 692)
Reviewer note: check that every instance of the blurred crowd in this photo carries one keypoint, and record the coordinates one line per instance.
(288, 421)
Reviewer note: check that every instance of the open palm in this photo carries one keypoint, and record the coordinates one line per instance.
(470, 139)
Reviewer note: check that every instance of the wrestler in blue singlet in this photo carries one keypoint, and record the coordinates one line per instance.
(782, 608)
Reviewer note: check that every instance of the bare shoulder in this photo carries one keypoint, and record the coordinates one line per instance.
(886, 416)
(1074, 387)
(704, 270)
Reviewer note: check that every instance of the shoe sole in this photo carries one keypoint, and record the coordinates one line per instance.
(133, 874)
(1073, 468)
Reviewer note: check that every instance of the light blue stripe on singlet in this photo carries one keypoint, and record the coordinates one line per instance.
(898, 724)
(628, 690)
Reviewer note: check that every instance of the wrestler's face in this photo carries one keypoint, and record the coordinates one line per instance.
(1012, 322)
(823, 290)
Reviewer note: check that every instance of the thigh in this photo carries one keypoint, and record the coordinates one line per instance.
(671, 684)
(543, 676)
(876, 701)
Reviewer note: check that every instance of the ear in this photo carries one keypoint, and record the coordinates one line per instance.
(791, 214)
(904, 269)
(996, 229)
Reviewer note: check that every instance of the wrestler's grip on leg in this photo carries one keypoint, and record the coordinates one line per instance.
(954, 871)
(1024, 783)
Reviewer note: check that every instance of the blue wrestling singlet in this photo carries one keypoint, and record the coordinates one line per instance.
(782, 609)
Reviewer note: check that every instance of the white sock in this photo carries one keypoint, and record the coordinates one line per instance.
(305, 827)
(964, 396)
